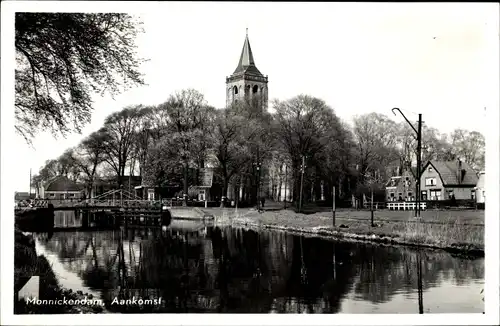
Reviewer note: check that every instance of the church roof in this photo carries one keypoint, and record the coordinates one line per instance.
(247, 63)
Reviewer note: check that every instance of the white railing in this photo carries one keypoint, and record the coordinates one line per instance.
(405, 206)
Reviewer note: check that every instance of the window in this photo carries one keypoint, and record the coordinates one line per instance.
(151, 194)
(430, 181)
(201, 195)
(423, 195)
(410, 194)
(429, 169)
(472, 194)
(435, 194)
(235, 90)
(255, 89)
(72, 195)
(52, 195)
(450, 193)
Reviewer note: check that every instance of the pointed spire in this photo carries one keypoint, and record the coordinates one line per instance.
(246, 58)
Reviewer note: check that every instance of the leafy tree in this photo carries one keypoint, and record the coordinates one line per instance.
(88, 155)
(187, 114)
(143, 137)
(118, 133)
(62, 59)
(303, 128)
(163, 165)
(229, 145)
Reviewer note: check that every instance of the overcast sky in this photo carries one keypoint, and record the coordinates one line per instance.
(434, 59)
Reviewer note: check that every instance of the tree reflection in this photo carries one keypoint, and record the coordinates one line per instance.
(225, 270)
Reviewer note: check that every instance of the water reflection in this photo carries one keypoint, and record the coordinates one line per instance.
(211, 269)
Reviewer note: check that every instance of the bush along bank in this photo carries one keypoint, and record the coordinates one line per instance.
(28, 264)
(454, 237)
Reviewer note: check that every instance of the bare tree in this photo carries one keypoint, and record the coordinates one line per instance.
(469, 146)
(376, 137)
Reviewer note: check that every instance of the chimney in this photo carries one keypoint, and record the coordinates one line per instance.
(459, 171)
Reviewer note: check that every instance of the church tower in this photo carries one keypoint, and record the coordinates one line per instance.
(247, 83)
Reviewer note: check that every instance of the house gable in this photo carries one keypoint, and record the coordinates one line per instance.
(425, 169)
(447, 171)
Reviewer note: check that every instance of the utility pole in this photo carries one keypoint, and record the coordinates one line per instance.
(371, 204)
(419, 163)
(30, 186)
(418, 132)
(302, 182)
(333, 208)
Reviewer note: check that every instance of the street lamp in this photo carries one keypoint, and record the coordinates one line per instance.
(302, 168)
(258, 165)
(418, 131)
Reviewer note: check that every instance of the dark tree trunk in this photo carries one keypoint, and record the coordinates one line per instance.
(185, 183)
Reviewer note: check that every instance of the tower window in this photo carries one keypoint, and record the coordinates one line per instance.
(255, 89)
(235, 90)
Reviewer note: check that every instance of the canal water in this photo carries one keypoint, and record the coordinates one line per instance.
(197, 268)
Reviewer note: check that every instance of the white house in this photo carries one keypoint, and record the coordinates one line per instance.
(480, 194)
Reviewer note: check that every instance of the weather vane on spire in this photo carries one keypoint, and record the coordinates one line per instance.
(247, 31)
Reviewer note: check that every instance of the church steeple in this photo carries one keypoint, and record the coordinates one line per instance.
(247, 83)
(246, 63)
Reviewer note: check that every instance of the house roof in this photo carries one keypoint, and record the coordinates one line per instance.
(23, 195)
(448, 170)
(246, 63)
(62, 183)
(399, 178)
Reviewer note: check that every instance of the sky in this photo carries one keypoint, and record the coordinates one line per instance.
(436, 59)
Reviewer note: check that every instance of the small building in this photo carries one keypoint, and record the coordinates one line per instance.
(445, 180)
(400, 188)
(203, 189)
(480, 192)
(60, 187)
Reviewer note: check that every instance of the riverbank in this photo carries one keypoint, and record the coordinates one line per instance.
(28, 264)
(451, 233)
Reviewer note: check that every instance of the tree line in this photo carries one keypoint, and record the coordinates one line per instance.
(170, 143)
(63, 59)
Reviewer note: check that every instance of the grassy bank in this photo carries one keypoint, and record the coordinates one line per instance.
(28, 264)
(451, 233)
